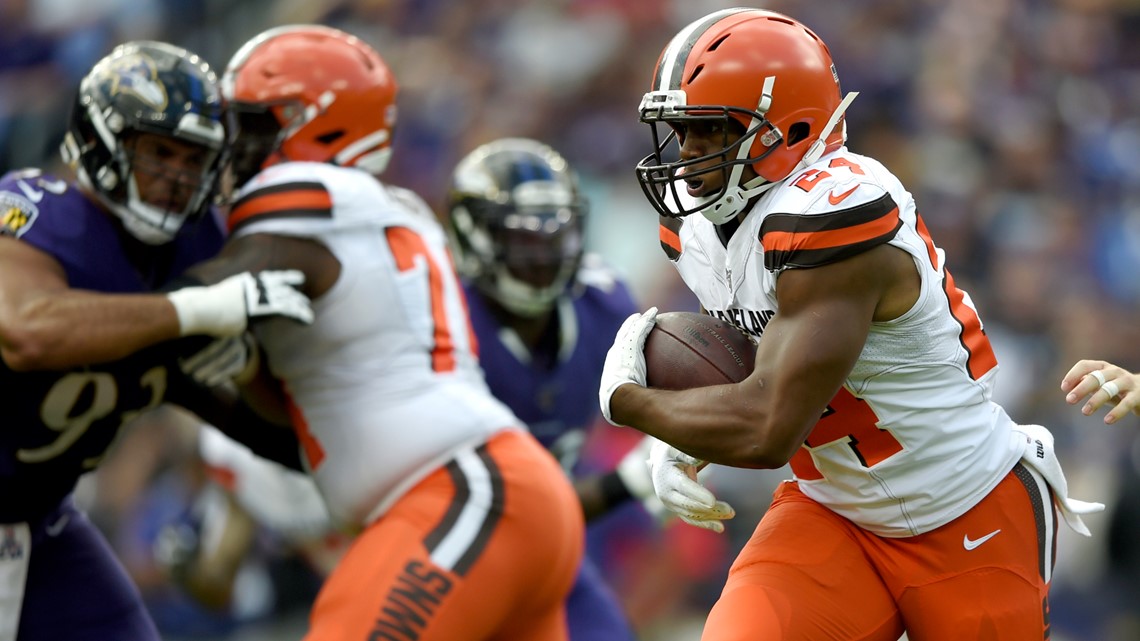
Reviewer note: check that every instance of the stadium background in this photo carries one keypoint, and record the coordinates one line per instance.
(1016, 123)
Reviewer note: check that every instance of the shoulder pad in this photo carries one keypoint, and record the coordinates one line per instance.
(280, 192)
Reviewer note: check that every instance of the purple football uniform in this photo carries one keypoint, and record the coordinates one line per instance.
(555, 392)
(58, 577)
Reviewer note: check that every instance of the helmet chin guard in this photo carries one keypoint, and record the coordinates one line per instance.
(736, 197)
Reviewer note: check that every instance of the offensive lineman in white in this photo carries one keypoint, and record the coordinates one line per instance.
(917, 502)
(467, 526)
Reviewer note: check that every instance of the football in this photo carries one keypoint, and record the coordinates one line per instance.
(689, 349)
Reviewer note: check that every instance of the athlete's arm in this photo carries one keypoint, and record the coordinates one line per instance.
(808, 349)
(600, 494)
(46, 325)
(207, 567)
(258, 252)
(267, 434)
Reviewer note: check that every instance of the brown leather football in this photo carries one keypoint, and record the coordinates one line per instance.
(689, 349)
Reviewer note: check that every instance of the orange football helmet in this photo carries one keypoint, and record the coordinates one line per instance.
(766, 71)
(309, 93)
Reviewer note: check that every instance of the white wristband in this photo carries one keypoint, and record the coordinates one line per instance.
(633, 469)
(218, 310)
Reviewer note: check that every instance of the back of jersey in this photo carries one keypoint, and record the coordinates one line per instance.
(384, 385)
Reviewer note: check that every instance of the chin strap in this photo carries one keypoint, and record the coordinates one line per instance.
(820, 145)
(735, 199)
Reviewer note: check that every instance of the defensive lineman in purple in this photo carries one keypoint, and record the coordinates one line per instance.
(84, 347)
(544, 313)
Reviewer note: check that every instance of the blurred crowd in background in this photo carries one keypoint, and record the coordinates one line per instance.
(1016, 124)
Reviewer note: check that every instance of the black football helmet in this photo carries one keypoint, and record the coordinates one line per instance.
(139, 88)
(516, 221)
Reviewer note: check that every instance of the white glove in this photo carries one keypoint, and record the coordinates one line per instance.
(674, 476)
(634, 472)
(625, 362)
(224, 309)
(233, 358)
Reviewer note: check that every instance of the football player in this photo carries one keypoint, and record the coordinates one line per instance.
(79, 334)
(538, 306)
(543, 313)
(465, 526)
(917, 503)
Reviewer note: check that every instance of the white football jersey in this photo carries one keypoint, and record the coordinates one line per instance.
(384, 385)
(912, 440)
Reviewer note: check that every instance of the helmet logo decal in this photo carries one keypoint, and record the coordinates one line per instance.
(137, 75)
(16, 214)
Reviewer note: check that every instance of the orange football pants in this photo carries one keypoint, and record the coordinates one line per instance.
(809, 574)
(485, 548)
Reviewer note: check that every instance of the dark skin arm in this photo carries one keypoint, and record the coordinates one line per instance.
(265, 431)
(809, 348)
(257, 252)
(590, 495)
(209, 576)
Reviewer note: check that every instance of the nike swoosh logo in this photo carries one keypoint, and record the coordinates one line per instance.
(55, 528)
(970, 545)
(835, 200)
(33, 195)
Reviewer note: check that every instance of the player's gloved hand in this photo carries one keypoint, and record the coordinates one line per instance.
(625, 362)
(674, 476)
(634, 472)
(232, 358)
(225, 309)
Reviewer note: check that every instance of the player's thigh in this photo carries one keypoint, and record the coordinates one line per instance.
(987, 572)
(803, 577)
(482, 547)
(532, 561)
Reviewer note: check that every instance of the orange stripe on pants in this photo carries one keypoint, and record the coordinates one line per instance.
(449, 562)
(808, 574)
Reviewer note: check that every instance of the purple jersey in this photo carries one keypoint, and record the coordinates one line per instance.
(58, 424)
(61, 578)
(556, 396)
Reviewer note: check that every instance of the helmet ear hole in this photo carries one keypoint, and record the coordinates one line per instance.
(798, 132)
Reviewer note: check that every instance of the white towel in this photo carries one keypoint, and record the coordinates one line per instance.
(1040, 456)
